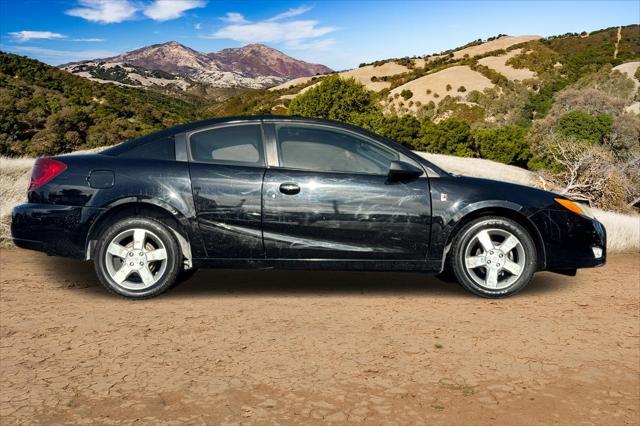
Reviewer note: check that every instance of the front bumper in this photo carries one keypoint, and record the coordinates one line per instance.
(55, 229)
(570, 240)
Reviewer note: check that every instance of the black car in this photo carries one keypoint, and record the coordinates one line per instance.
(289, 192)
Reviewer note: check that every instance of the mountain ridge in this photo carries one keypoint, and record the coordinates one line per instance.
(252, 66)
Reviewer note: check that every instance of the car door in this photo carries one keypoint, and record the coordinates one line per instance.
(329, 197)
(227, 164)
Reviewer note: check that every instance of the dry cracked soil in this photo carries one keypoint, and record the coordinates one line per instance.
(301, 347)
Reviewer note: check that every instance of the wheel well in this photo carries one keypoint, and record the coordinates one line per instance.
(139, 209)
(509, 214)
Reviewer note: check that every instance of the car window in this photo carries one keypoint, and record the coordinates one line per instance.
(319, 148)
(241, 144)
(158, 149)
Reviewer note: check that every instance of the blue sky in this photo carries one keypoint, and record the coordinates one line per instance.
(340, 34)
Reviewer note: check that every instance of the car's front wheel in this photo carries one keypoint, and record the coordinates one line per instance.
(494, 257)
(137, 258)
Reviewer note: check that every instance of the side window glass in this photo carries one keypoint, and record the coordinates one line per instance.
(318, 148)
(241, 145)
(155, 149)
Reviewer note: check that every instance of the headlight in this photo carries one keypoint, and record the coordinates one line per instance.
(578, 208)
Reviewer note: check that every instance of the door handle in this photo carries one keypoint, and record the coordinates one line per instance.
(289, 188)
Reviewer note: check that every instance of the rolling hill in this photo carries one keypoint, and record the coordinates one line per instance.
(503, 63)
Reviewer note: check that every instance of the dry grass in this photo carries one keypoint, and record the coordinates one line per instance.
(629, 68)
(14, 181)
(499, 64)
(490, 46)
(437, 82)
(623, 231)
(364, 74)
(291, 83)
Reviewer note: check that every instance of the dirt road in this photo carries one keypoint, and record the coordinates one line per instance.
(280, 347)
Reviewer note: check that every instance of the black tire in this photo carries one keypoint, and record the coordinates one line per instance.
(465, 237)
(159, 230)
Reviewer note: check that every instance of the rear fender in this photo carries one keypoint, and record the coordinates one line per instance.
(187, 238)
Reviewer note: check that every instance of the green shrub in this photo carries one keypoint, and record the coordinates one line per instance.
(451, 136)
(406, 94)
(448, 87)
(404, 129)
(504, 144)
(335, 98)
(462, 89)
(584, 126)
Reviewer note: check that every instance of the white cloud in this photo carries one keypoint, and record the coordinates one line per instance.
(94, 40)
(311, 45)
(234, 18)
(164, 10)
(295, 34)
(53, 56)
(272, 32)
(104, 11)
(32, 35)
(294, 11)
(198, 26)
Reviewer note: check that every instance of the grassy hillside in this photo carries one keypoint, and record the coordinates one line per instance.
(525, 72)
(44, 110)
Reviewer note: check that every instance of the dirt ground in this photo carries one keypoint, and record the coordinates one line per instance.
(282, 347)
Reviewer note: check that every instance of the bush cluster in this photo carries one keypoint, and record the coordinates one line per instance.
(349, 101)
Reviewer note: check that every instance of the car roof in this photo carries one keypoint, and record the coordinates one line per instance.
(183, 128)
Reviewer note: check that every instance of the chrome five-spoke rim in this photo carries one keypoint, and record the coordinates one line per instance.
(136, 259)
(494, 258)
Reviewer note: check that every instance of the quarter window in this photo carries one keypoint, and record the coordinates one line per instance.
(318, 148)
(240, 145)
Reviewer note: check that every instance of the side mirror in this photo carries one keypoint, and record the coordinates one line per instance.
(400, 170)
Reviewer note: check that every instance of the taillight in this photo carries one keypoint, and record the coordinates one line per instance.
(44, 170)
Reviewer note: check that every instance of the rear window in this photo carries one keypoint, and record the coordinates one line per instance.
(238, 144)
(155, 149)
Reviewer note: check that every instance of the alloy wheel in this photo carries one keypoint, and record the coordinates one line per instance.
(494, 258)
(136, 259)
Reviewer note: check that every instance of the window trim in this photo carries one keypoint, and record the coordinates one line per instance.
(261, 150)
(276, 147)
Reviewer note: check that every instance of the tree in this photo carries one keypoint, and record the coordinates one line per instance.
(584, 126)
(589, 171)
(404, 129)
(451, 136)
(504, 144)
(335, 98)
(406, 94)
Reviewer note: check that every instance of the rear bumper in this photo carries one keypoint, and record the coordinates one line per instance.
(571, 241)
(54, 229)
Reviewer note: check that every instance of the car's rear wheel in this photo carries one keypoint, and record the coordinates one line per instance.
(137, 258)
(494, 257)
